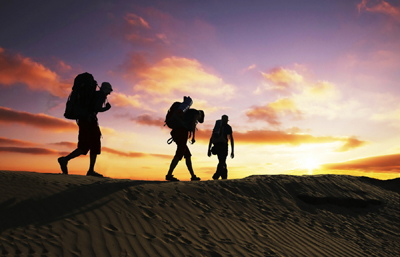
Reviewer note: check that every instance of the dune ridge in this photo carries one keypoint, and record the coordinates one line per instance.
(326, 215)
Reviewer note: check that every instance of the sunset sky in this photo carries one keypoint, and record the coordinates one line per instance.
(310, 87)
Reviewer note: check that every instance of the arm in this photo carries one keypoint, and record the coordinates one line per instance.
(193, 127)
(232, 145)
(106, 108)
(209, 147)
(99, 101)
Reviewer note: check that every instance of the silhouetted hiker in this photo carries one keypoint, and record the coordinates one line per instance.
(89, 130)
(180, 134)
(219, 140)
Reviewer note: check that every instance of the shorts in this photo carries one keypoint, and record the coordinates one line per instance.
(89, 137)
(180, 136)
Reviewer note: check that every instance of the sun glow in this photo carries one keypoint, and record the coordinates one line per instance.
(310, 163)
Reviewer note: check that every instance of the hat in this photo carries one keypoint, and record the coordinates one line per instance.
(224, 117)
(106, 85)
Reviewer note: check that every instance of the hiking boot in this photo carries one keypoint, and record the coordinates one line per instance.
(63, 164)
(171, 178)
(94, 174)
(195, 178)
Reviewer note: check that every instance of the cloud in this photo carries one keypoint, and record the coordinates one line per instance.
(384, 164)
(14, 142)
(124, 154)
(351, 143)
(181, 75)
(66, 144)
(15, 69)
(136, 21)
(31, 150)
(122, 100)
(40, 120)
(116, 152)
(149, 120)
(380, 6)
(276, 137)
(271, 112)
(134, 154)
(283, 78)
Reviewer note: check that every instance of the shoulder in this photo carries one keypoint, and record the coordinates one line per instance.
(229, 128)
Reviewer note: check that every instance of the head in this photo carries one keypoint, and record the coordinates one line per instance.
(106, 88)
(224, 119)
(201, 116)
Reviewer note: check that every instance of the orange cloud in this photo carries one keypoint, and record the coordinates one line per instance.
(282, 78)
(31, 150)
(276, 137)
(146, 119)
(122, 100)
(134, 154)
(16, 69)
(380, 7)
(351, 143)
(176, 74)
(270, 112)
(384, 164)
(14, 142)
(130, 154)
(40, 120)
(116, 152)
(136, 21)
(66, 144)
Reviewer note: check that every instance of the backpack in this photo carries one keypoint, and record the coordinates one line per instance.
(79, 103)
(177, 111)
(171, 119)
(218, 133)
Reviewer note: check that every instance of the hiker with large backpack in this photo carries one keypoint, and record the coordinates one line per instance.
(218, 145)
(83, 105)
(183, 126)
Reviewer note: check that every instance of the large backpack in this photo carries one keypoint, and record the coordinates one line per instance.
(176, 112)
(80, 101)
(218, 135)
(171, 119)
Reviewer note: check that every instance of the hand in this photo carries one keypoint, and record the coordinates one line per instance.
(192, 141)
(232, 155)
(209, 153)
(108, 106)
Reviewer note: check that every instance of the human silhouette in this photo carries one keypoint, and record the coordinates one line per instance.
(180, 135)
(89, 130)
(219, 143)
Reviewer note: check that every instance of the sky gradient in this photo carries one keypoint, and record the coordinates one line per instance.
(310, 87)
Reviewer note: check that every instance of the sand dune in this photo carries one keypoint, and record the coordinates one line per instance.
(69, 215)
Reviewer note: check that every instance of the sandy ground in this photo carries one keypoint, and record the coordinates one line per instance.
(70, 215)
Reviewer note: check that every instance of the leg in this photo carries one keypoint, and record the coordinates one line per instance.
(74, 154)
(221, 168)
(174, 162)
(95, 149)
(93, 158)
(189, 166)
(63, 161)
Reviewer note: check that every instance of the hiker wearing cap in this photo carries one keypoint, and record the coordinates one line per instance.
(180, 135)
(219, 143)
(89, 131)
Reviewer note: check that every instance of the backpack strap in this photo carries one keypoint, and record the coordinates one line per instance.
(169, 141)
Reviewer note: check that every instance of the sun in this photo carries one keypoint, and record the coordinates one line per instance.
(310, 163)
